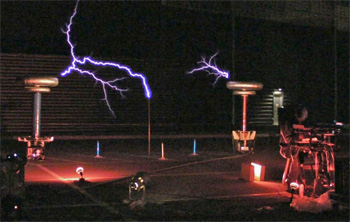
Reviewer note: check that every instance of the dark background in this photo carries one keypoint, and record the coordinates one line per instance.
(165, 43)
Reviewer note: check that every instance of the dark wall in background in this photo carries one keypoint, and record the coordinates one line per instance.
(300, 60)
(164, 44)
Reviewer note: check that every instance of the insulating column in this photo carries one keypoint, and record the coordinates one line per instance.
(36, 115)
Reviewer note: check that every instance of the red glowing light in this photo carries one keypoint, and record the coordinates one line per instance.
(79, 170)
(259, 171)
(294, 185)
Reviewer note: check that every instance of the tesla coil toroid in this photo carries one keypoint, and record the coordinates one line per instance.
(40, 84)
(244, 86)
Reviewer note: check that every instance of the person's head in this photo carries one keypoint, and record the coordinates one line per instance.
(301, 113)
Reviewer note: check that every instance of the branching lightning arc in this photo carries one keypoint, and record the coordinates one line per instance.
(87, 60)
(211, 68)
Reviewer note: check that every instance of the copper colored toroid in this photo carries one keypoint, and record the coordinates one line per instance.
(38, 89)
(41, 81)
(244, 86)
(242, 93)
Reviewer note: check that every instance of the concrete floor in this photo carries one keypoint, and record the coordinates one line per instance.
(184, 187)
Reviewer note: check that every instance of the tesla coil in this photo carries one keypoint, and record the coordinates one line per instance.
(36, 143)
(243, 140)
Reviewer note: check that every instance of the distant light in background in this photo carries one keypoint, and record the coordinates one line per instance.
(278, 102)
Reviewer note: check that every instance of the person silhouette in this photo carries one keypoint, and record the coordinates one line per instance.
(292, 115)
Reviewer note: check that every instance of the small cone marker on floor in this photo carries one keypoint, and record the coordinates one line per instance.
(162, 158)
(98, 150)
(194, 147)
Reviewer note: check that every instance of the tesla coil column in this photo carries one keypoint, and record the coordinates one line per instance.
(35, 143)
(243, 141)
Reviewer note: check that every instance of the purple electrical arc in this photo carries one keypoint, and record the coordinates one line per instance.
(211, 68)
(105, 84)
